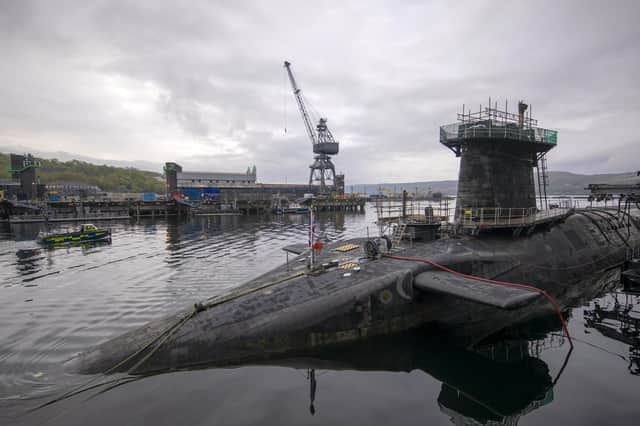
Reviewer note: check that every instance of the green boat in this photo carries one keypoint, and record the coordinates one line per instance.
(87, 233)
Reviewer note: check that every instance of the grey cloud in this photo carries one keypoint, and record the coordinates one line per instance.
(203, 84)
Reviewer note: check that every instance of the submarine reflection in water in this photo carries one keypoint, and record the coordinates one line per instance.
(496, 382)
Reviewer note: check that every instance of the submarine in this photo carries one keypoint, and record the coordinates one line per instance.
(502, 261)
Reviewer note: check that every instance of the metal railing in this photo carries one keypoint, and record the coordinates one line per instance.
(490, 129)
(392, 213)
(412, 212)
(504, 216)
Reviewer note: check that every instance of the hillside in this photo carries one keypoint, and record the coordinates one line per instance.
(108, 178)
(560, 183)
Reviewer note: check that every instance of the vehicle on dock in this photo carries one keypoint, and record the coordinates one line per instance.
(88, 233)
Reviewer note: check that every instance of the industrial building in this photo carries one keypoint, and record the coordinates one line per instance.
(204, 185)
(9, 188)
(24, 170)
(62, 189)
(240, 191)
(206, 179)
(199, 185)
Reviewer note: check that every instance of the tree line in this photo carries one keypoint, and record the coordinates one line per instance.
(107, 178)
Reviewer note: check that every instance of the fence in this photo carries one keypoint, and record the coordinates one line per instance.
(497, 216)
(392, 212)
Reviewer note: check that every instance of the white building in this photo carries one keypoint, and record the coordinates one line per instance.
(214, 179)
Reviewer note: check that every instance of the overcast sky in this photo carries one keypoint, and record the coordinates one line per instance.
(202, 83)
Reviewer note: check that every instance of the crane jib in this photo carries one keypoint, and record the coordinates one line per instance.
(322, 140)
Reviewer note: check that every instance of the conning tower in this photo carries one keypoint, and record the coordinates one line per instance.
(498, 151)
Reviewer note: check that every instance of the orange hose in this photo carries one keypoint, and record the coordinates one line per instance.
(495, 282)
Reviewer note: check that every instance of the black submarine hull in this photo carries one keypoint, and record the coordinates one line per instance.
(290, 309)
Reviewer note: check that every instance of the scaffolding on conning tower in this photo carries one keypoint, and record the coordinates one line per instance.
(490, 131)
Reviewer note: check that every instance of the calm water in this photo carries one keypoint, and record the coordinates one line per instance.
(56, 303)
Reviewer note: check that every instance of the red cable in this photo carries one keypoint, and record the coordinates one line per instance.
(503, 283)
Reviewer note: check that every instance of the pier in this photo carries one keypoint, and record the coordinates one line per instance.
(257, 202)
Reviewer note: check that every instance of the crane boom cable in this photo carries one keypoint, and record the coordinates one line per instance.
(314, 115)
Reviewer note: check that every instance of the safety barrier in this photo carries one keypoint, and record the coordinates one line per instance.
(457, 131)
(497, 216)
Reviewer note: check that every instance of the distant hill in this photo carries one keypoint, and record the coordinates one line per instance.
(446, 187)
(129, 179)
(560, 183)
(108, 178)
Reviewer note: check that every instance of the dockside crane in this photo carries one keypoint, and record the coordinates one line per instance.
(322, 171)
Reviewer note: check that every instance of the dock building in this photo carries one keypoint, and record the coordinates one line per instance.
(60, 190)
(208, 179)
(24, 170)
(9, 188)
(242, 191)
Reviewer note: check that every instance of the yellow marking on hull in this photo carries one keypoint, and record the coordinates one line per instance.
(347, 247)
(348, 265)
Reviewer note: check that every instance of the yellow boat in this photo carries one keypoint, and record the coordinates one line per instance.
(87, 233)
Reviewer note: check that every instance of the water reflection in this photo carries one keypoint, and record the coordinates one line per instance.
(614, 317)
(95, 294)
(497, 381)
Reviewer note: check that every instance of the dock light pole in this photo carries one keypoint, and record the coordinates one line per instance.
(307, 200)
(311, 236)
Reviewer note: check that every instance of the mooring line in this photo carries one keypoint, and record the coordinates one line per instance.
(160, 340)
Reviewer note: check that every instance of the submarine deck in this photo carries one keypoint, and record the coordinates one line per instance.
(348, 296)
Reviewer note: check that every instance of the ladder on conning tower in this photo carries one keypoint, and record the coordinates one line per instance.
(398, 233)
(543, 180)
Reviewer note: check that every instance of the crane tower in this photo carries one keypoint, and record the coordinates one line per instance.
(324, 145)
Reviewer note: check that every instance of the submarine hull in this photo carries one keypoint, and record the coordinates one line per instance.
(291, 309)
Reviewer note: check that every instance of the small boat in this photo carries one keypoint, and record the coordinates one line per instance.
(292, 209)
(87, 233)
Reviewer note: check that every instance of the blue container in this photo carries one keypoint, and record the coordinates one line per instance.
(210, 193)
(149, 196)
(53, 197)
(192, 194)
